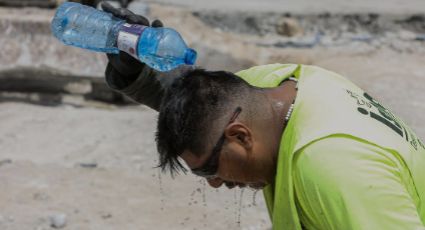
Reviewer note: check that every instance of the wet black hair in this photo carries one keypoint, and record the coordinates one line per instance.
(191, 112)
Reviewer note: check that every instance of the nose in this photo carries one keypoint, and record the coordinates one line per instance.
(215, 182)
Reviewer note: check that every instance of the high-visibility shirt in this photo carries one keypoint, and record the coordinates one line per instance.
(345, 161)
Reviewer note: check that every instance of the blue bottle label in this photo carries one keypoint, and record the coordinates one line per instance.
(128, 38)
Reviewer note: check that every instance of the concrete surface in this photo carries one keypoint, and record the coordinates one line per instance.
(303, 6)
(97, 166)
(27, 42)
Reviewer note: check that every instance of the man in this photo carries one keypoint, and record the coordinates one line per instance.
(327, 155)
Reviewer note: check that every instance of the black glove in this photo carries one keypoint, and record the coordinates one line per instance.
(133, 78)
(123, 70)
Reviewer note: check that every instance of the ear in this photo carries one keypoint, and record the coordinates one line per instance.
(239, 133)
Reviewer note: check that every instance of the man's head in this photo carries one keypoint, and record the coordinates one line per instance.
(218, 125)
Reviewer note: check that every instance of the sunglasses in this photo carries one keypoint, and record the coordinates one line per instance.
(210, 167)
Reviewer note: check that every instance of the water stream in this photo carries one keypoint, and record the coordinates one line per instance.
(238, 220)
(161, 189)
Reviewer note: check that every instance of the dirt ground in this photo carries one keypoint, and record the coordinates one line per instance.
(95, 163)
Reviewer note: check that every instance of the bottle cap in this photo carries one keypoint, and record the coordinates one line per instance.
(190, 57)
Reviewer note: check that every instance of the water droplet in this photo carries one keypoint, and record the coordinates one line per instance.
(204, 197)
(238, 221)
(254, 197)
(161, 190)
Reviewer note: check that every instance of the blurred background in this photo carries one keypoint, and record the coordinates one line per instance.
(76, 155)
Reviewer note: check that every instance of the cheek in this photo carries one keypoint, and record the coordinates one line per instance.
(234, 166)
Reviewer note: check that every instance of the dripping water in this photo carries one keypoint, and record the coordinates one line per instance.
(161, 190)
(238, 220)
(235, 204)
(204, 201)
(204, 197)
(254, 197)
(192, 198)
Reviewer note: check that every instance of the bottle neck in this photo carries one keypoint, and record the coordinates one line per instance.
(190, 56)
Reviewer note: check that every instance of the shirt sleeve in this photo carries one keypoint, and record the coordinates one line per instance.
(346, 183)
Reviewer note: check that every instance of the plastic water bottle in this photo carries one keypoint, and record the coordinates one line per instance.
(85, 27)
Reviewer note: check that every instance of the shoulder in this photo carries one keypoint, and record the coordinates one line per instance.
(347, 183)
(344, 162)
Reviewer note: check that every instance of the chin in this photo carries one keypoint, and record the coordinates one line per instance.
(257, 185)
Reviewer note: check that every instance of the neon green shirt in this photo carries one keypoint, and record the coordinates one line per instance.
(345, 161)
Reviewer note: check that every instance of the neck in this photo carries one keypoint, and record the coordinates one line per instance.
(280, 100)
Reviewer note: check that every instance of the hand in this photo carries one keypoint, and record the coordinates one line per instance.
(122, 67)
(133, 78)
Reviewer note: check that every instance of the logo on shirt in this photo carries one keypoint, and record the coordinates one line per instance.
(372, 108)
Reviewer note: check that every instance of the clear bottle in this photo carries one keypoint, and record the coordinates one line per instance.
(85, 27)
